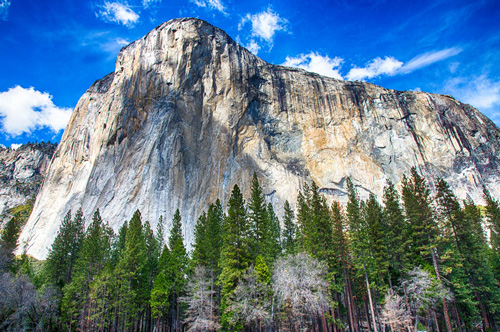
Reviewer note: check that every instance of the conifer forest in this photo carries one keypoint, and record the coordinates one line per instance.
(415, 259)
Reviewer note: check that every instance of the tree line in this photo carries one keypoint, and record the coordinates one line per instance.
(415, 261)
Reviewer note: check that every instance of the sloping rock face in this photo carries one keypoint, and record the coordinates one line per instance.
(21, 173)
(188, 113)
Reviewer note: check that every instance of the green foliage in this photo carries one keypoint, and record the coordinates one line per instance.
(263, 274)
(236, 251)
(64, 251)
(93, 258)
(257, 216)
(272, 242)
(289, 231)
(208, 239)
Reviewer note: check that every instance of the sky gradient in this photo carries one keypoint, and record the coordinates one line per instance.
(52, 51)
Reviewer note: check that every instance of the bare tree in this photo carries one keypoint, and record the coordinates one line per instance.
(395, 313)
(251, 301)
(424, 292)
(301, 288)
(23, 308)
(201, 314)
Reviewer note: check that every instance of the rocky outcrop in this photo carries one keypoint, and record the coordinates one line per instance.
(22, 171)
(188, 113)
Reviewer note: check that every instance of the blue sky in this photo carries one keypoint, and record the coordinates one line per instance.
(52, 51)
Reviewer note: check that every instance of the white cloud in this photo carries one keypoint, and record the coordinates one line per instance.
(323, 65)
(114, 45)
(147, 3)
(374, 68)
(24, 110)
(392, 66)
(253, 47)
(480, 92)
(118, 13)
(4, 9)
(265, 24)
(212, 4)
(15, 146)
(429, 58)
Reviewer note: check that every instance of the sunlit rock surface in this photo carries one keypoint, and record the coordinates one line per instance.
(188, 113)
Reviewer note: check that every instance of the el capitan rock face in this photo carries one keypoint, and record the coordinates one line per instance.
(188, 113)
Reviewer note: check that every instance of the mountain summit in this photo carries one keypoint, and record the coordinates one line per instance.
(188, 113)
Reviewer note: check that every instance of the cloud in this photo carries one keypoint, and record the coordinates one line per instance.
(114, 45)
(24, 110)
(118, 13)
(253, 47)
(392, 66)
(323, 65)
(15, 146)
(374, 68)
(480, 91)
(4, 9)
(212, 4)
(264, 26)
(147, 3)
(429, 58)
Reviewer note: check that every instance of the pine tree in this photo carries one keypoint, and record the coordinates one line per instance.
(177, 267)
(289, 231)
(235, 253)
(257, 217)
(160, 234)
(492, 212)
(131, 274)
(316, 230)
(208, 239)
(162, 290)
(94, 256)
(377, 260)
(342, 281)
(468, 242)
(396, 233)
(63, 254)
(272, 244)
(361, 240)
(8, 242)
(423, 228)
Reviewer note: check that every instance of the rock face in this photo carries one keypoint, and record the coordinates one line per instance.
(188, 113)
(21, 173)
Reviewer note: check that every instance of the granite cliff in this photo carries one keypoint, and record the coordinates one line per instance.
(188, 113)
(22, 171)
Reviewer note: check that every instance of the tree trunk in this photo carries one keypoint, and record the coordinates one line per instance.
(436, 321)
(438, 276)
(371, 300)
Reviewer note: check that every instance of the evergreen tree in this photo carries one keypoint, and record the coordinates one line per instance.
(160, 234)
(423, 228)
(272, 244)
(396, 233)
(162, 291)
(257, 217)
(492, 212)
(468, 243)
(94, 256)
(63, 254)
(289, 231)
(235, 253)
(208, 239)
(131, 274)
(376, 260)
(8, 242)
(177, 268)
